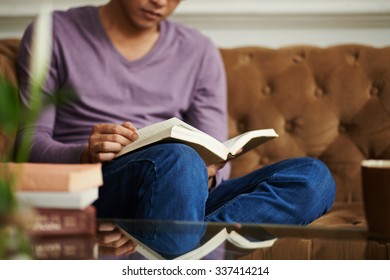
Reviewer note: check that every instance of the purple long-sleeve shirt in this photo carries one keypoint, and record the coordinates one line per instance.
(182, 76)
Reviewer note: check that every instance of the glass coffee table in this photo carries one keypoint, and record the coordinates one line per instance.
(237, 251)
(116, 239)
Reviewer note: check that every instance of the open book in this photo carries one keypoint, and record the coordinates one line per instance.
(209, 148)
(203, 250)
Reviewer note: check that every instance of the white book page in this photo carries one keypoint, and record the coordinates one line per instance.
(241, 242)
(206, 248)
(156, 132)
(237, 143)
(150, 130)
(202, 139)
(195, 254)
(149, 134)
(154, 129)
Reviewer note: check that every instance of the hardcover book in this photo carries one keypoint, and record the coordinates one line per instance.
(64, 248)
(53, 177)
(55, 222)
(57, 199)
(209, 148)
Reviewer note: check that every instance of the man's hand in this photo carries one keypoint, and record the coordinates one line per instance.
(112, 242)
(212, 171)
(107, 140)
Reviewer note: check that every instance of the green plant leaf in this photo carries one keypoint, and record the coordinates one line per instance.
(7, 197)
(10, 113)
(61, 97)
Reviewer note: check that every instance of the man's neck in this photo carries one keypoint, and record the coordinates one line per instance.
(131, 41)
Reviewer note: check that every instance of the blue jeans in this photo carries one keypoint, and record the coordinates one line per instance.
(169, 182)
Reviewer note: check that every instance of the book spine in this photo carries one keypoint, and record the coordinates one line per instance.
(64, 248)
(51, 222)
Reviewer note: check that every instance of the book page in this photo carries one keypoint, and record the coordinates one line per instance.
(151, 134)
(209, 148)
(249, 140)
(156, 128)
(195, 254)
(176, 131)
(207, 247)
(239, 241)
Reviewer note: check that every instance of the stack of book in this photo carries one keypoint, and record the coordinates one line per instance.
(61, 196)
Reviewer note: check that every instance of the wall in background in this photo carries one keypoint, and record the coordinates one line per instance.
(230, 23)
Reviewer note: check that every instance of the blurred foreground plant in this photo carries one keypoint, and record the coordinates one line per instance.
(13, 238)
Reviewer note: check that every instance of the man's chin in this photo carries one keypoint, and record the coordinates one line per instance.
(148, 26)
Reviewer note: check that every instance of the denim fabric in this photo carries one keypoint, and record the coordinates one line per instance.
(293, 191)
(169, 182)
(162, 182)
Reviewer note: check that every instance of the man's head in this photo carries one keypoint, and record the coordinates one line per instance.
(146, 14)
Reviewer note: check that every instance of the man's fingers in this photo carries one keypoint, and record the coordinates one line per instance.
(130, 126)
(213, 168)
(107, 140)
(124, 131)
(110, 238)
(126, 249)
(103, 151)
(105, 147)
(102, 157)
(115, 138)
(106, 226)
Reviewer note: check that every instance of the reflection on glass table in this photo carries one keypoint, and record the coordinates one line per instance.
(175, 240)
(131, 239)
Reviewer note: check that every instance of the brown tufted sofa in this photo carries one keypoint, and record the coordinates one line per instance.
(329, 103)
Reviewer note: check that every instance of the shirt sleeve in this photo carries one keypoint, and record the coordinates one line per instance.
(208, 111)
(43, 148)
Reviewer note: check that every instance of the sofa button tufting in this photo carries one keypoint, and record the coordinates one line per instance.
(342, 128)
(289, 127)
(292, 125)
(298, 58)
(319, 92)
(374, 91)
(246, 58)
(241, 126)
(267, 91)
(264, 161)
(352, 58)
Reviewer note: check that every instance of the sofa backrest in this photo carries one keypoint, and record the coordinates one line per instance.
(8, 52)
(328, 103)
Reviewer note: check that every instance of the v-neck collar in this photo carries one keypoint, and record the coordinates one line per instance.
(130, 63)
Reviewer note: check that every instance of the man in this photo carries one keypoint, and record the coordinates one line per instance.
(131, 67)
